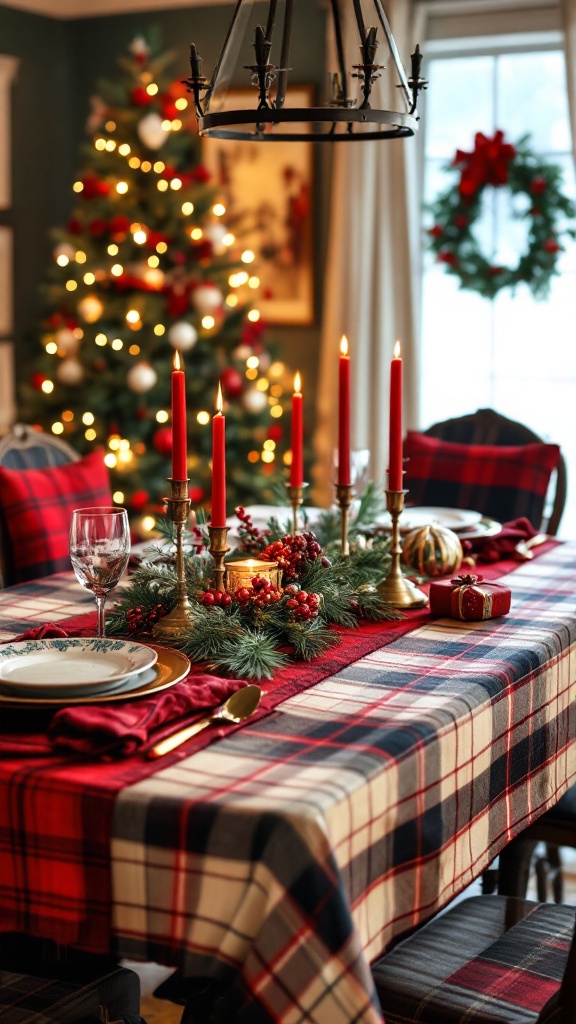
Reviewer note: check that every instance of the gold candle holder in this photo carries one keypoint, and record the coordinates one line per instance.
(296, 497)
(240, 573)
(344, 493)
(178, 509)
(218, 548)
(396, 589)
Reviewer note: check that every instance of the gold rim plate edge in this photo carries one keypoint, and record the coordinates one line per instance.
(171, 667)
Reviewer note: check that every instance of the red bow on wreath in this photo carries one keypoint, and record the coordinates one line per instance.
(487, 164)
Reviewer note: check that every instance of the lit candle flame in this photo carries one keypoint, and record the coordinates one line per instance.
(397, 350)
(344, 346)
(176, 363)
(219, 402)
(297, 384)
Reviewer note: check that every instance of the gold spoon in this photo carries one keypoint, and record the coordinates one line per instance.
(238, 707)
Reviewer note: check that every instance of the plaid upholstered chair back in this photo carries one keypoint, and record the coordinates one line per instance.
(487, 427)
(26, 448)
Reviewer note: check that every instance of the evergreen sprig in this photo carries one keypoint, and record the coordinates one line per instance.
(252, 640)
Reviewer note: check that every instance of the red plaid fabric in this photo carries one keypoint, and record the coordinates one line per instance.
(488, 959)
(503, 482)
(282, 858)
(37, 506)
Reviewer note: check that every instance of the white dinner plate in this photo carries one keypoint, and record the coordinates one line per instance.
(71, 665)
(423, 515)
(261, 514)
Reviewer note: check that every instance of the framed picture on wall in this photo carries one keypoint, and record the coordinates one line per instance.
(268, 188)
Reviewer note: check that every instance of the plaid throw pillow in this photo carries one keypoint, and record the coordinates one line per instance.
(501, 481)
(36, 506)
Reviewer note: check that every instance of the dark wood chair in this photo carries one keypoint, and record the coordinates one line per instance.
(26, 448)
(489, 427)
(487, 959)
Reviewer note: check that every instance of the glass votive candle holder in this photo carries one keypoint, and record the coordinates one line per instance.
(242, 572)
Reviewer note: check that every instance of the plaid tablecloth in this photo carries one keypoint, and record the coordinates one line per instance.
(281, 860)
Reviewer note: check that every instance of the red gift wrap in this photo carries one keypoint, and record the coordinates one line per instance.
(471, 598)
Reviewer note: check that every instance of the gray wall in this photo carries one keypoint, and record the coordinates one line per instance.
(60, 65)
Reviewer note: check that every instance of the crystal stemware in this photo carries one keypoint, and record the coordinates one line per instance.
(99, 551)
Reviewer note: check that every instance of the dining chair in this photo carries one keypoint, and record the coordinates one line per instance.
(23, 447)
(487, 960)
(490, 430)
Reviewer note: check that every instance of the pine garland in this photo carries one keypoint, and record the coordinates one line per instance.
(260, 629)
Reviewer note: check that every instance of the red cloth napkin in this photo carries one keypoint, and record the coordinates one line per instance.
(111, 730)
(503, 544)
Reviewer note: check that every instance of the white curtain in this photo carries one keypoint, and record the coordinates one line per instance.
(568, 12)
(371, 284)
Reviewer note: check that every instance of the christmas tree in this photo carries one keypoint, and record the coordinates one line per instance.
(147, 264)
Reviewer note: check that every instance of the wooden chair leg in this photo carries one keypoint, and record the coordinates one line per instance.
(514, 867)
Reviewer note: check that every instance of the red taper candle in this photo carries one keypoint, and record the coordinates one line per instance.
(395, 452)
(179, 433)
(344, 478)
(218, 516)
(297, 436)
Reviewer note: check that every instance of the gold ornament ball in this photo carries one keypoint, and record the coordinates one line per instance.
(432, 551)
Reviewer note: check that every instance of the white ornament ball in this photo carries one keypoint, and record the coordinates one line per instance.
(216, 234)
(70, 371)
(182, 336)
(206, 298)
(151, 132)
(90, 308)
(66, 340)
(64, 249)
(254, 401)
(139, 47)
(141, 377)
(242, 352)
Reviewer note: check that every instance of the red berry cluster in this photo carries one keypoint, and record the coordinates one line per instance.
(294, 553)
(302, 605)
(213, 598)
(140, 621)
(260, 594)
(253, 539)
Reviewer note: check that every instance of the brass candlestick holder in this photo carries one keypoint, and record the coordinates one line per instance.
(344, 493)
(178, 509)
(296, 497)
(218, 548)
(396, 589)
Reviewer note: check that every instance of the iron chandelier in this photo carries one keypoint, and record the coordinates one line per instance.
(346, 114)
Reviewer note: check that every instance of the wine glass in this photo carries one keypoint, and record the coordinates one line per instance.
(99, 551)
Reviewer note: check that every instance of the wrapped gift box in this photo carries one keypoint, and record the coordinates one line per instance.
(471, 598)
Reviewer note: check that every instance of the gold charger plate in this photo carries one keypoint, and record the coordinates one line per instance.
(172, 666)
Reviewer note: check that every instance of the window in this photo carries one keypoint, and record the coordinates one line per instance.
(514, 353)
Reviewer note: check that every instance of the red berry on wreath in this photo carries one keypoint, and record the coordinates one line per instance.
(436, 231)
(551, 245)
(538, 185)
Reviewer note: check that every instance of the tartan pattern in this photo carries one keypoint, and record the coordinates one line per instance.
(27, 999)
(501, 481)
(488, 959)
(281, 859)
(36, 506)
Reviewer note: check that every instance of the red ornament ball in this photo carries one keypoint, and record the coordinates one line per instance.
(139, 500)
(162, 441)
(37, 380)
(275, 432)
(232, 382)
(139, 97)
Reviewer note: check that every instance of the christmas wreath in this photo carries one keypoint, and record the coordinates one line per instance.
(535, 188)
(259, 627)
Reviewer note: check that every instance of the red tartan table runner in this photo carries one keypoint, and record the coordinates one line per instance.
(288, 807)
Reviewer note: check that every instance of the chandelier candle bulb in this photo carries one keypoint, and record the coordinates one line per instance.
(344, 415)
(179, 438)
(218, 515)
(395, 433)
(297, 435)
